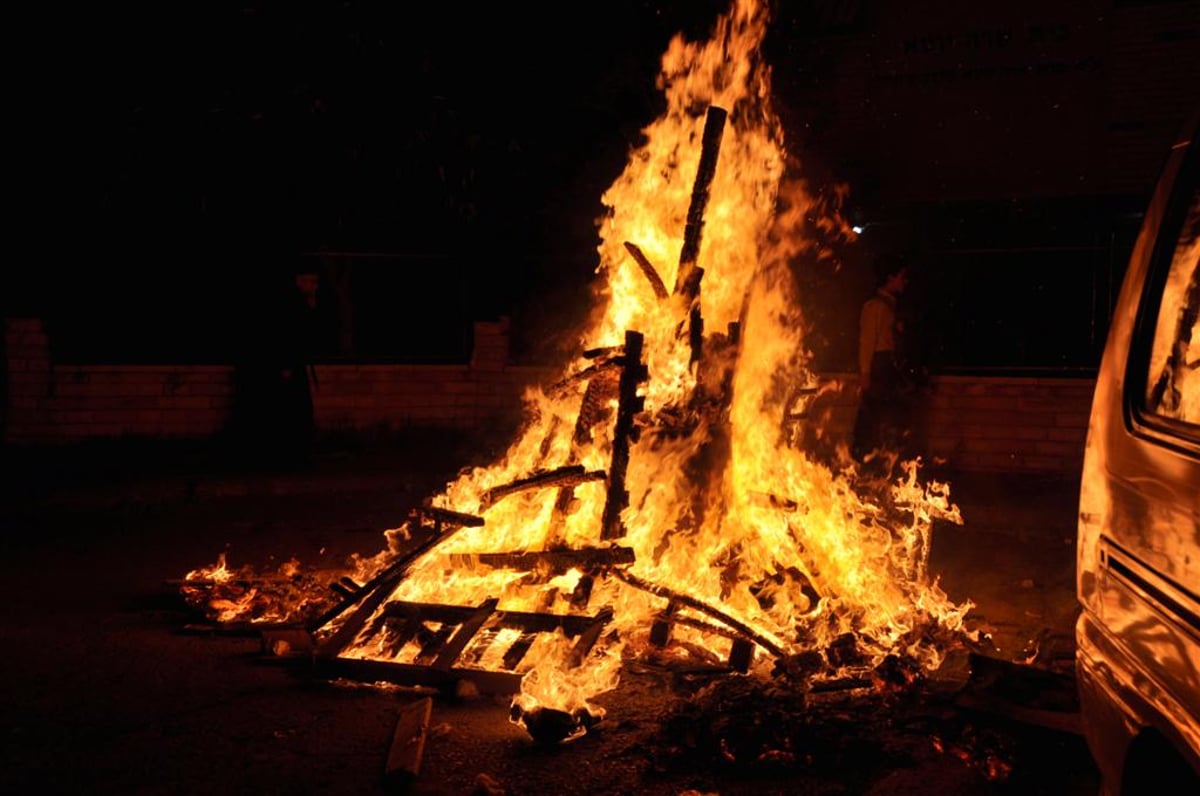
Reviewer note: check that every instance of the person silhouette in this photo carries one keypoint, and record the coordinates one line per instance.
(880, 423)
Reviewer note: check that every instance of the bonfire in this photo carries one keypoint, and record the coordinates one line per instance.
(655, 504)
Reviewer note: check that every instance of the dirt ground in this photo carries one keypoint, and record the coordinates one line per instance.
(109, 691)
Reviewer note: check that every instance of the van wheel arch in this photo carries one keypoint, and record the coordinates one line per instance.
(1154, 765)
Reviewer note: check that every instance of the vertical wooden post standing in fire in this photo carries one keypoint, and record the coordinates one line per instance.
(633, 373)
(687, 278)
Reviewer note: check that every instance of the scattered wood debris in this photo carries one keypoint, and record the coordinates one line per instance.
(408, 745)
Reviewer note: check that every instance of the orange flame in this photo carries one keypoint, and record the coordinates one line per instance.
(719, 508)
(722, 511)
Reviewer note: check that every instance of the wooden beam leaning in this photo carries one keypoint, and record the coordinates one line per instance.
(379, 588)
(687, 278)
(648, 270)
(629, 404)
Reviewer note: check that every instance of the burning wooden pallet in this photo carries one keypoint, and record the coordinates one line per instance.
(438, 644)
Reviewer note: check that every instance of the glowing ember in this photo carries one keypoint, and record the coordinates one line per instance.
(661, 460)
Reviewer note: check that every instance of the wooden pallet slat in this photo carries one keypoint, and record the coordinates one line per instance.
(463, 635)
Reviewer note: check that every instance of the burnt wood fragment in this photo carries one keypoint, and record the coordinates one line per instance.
(710, 148)
(443, 517)
(342, 589)
(408, 744)
(741, 655)
(660, 628)
(602, 351)
(515, 652)
(741, 652)
(433, 642)
(593, 410)
(605, 369)
(246, 629)
(648, 270)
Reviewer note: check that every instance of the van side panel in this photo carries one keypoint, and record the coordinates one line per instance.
(1138, 552)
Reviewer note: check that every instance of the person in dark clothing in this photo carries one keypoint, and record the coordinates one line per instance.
(881, 422)
(297, 345)
(273, 412)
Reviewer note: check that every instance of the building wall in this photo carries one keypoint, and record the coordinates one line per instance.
(969, 423)
(983, 424)
(52, 403)
(948, 101)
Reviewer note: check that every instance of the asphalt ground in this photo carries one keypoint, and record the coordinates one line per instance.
(108, 692)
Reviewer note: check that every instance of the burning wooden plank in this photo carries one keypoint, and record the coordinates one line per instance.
(629, 404)
(562, 476)
(687, 278)
(648, 270)
(466, 631)
(371, 595)
(697, 605)
(550, 561)
(593, 410)
(346, 586)
(570, 624)
(442, 658)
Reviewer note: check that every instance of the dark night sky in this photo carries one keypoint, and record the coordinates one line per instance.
(177, 150)
(383, 127)
(170, 156)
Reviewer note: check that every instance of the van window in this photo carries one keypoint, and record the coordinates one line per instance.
(1173, 369)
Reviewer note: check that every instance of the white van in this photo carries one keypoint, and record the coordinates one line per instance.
(1138, 558)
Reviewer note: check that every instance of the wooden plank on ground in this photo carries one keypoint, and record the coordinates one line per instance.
(408, 745)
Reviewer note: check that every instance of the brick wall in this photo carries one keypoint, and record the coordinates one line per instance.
(388, 397)
(51, 403)
(973, 423)
(981, 424)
